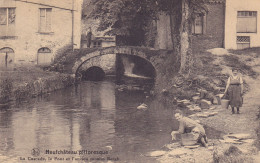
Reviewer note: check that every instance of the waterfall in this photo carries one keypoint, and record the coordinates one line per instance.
(128, 66)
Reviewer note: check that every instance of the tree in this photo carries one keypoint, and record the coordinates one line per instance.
(129, 18)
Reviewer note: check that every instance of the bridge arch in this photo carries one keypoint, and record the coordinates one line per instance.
(93, 73)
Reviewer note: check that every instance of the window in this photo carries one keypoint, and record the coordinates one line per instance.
(45, 20)
(246, 22)
(7, 21)
(243, 42)
(197, 26)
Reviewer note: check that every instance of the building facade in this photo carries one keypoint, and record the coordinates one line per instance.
(35, 31)
(207, 28)
(242, 23)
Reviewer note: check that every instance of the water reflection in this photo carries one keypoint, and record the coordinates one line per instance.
(90, 117)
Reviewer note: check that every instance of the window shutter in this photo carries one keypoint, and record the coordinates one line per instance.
(48, 20)
(42, 20)
(247, 22)
(3, 16)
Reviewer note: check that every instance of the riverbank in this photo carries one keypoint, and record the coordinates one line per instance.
(26, 82)
(246, 123)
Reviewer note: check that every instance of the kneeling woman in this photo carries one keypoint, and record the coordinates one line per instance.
(234, 90)
(188, 125)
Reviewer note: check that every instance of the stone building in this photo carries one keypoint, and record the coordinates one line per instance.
(34, 32)
(242, 24)
(207, 28)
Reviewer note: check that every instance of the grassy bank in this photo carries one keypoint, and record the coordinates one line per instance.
(210, 73)
(26, 82)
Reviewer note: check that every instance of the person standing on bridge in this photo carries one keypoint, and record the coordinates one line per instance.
(89, 37)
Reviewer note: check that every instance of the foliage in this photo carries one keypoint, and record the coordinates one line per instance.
(231, 155)
(131, 18)
(124, 17)
(233, 61)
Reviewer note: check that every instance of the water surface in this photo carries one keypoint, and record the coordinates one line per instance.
(94, 118)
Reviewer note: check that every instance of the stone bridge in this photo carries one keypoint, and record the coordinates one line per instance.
(157, 58)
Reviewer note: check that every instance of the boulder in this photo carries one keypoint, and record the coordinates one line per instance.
(203, 115)
(205, 104)
(192, 115)
(220, 95)
(198, 121)
(194, 108)
(231, 154)
(190, 107)
(142, 106)
(232, 141)
(165, 92)
(109, 147)
(172, 146)
(215, 100)
(195, 99)
(179, 151)
(203, 93)
(197, 108)
(213, 113)
(192, 146)
(217, 81)
(250, 141)
(156, 153)
(185, 101)
(218, 51)
(239, 136)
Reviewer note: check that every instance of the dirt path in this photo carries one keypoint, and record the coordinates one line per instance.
(244, 122)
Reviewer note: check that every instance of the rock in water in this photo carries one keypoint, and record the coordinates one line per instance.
(142, 106)
(109, 147)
